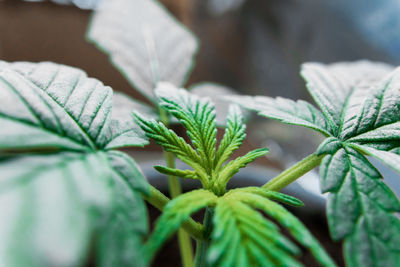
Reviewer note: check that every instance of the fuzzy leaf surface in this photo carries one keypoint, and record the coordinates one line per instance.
(51, 105)
(144, 42)
(285, 110)
(360, 102)
(62, 197)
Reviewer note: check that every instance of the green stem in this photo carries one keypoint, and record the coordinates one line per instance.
(175, 190)
(202, 245)
(159, 200)
(293, 173)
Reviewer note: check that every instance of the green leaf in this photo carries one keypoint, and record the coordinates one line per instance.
(235, 133)
(124, 131)
(189, 174)
(251, 239)
(361, 103)
(50, 105)
(285, 110)
(232, 167)
(276, 196)
(197, 115)
(172, 143)
(120, 239)
(55, 205)
(358, 201)
(330, 85)
(50, 207)
(175, 213)
(157, 48)
(216, 93)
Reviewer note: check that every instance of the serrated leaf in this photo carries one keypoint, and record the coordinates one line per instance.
(197, 115)
(124, 131)
(285, 110)
(357, 185)
(291, 223)
(330, 85)
(176, 172)
(234, 135)
(361, 103)
(216, 93)
(251, 239)
(174, 214)
(233, 166)
(172, 143)
(51, 105)
(276, 196)
(144, 42)
(62, 198)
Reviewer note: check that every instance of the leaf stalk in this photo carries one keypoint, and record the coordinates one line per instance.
(293, 173)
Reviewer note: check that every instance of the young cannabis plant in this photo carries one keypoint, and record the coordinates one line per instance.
(359, 116)
(235, 233)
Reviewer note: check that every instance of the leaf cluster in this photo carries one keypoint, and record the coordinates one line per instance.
(359, 107)
(197, 115)
(240, 235)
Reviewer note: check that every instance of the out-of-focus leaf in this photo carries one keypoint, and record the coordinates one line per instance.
(144, 42)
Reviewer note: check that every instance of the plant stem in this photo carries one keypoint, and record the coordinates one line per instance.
(159, 200)
(293, 173)
(202, 245)
(175, 189)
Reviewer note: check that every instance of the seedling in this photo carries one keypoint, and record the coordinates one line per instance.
(66, 189)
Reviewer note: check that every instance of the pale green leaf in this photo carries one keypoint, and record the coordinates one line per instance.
(175, 213)
(55, 204)
(273, 195)
(124, 131)
(389, 158)
(50, 208)
(54, 106)
(144, 42)
(216, 93)
(196, 114)
(330, 85)
(285, 110)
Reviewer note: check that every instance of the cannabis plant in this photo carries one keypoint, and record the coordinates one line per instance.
(67, 191)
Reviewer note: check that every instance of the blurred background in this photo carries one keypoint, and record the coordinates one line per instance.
(253, 46)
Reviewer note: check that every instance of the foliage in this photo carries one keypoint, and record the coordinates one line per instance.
(59, 125)
(251, 238)
(76, 191)
(359, 106)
